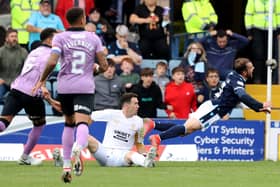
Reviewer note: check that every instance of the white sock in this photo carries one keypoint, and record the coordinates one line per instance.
(67, 164)
(137, 159)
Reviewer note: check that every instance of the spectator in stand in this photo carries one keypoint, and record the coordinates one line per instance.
(108, 89)
(199, 16)
(42, 19)
(128, 77)
(256, 23)
(2, 35)
(20, 14)
(212, 87)
(160, 76)
(153, 40)
(106, 10)
(180, 95)
(12, 57)
(195, 64)
(63, 5)
(121, 48)
(221, 48)
(103, 29)
(149, 95)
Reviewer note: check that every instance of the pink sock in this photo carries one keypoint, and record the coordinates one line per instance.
(2, 126)
(33, 138)
(67, 142)
(82, 135)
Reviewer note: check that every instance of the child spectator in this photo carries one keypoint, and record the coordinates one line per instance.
(180, 95)
(128, 77)
(160, 76)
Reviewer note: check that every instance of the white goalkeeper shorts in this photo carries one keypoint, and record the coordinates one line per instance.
(110, 157)
(207, 114)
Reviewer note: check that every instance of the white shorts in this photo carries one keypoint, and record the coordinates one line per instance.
(110, 157)
(206, 114)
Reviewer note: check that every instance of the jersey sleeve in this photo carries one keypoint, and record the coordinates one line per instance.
(56, 45)
(239, 90)
(33, 19)
(102, 115)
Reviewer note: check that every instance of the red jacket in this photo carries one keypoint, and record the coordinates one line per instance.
(182, 97)
(63, 6)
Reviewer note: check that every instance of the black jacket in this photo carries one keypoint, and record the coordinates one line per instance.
(149, 99)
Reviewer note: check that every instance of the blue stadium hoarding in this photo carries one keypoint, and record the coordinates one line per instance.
(231, 140)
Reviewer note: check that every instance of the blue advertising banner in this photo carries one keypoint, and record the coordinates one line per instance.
(232, 140)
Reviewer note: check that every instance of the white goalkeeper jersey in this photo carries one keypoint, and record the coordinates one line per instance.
(121, 132)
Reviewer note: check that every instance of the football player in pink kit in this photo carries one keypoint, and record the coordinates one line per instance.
(77, 50)
(21, 97)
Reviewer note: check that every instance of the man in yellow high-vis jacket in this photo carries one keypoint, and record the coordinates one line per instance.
(256, 22)
(20, 13)
(199, 16)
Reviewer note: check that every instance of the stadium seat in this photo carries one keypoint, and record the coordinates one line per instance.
(151, 63)
(172, 64)
(237, 113)
(161, 113)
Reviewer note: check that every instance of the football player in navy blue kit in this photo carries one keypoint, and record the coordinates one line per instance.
(213, 110)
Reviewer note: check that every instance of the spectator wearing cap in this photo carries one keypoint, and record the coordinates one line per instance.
(180, 95)
(153, 39)
(122, 48)
(108, 89)
(149, 95)
(103, 29)
(63, 6)
(42, 19)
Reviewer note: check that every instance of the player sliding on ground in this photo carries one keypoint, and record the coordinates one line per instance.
(214, 110)
(124, 130)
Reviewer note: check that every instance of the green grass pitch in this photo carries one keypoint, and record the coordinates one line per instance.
(169, 174)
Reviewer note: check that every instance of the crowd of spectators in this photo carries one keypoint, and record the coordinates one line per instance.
(204, 64)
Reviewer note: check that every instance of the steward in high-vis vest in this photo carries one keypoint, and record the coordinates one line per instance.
(199, 16)
(20, 13)
(256, 23)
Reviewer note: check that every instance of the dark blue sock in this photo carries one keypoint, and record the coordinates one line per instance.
(163, 126)
(173, 132)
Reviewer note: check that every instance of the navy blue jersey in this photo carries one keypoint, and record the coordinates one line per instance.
(233, 93)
